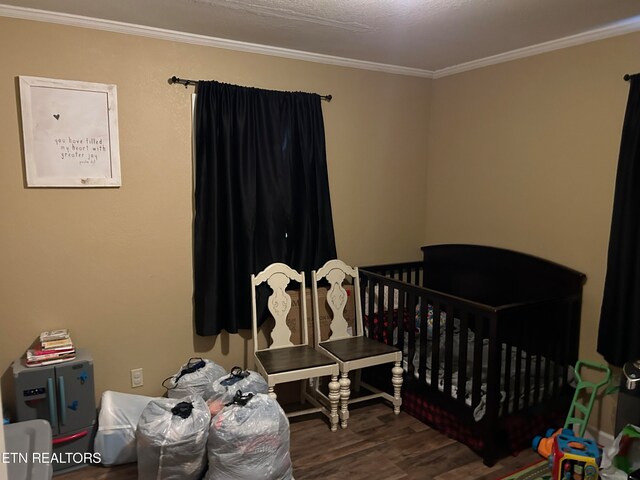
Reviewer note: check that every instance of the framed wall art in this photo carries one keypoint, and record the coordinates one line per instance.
(70, 133)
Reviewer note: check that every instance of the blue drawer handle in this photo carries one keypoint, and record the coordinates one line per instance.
(63, 401)
(53, 411)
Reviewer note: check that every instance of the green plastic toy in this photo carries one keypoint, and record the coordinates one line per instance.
(590, 389)
(544, 445)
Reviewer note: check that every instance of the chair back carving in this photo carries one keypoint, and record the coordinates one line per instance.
(335, 272)
(278, 276)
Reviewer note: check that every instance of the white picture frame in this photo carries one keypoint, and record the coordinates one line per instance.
(70, 133)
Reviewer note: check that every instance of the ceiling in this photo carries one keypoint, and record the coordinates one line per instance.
(420, 37)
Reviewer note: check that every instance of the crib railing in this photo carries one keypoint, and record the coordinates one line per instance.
(407, 272)
(507, 346)
(412, 318)
(489, 363)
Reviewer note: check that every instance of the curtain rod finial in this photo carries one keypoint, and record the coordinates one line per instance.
(627, 77)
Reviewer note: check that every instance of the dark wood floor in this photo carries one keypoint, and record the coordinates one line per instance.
(378, 445)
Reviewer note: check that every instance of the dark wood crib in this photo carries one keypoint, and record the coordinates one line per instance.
(489, 338)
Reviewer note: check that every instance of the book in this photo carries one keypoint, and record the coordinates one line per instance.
(49, 362)
(59, 334)
(56, 344)
(34, 353)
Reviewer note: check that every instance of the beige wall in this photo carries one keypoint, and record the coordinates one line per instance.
(114, 265)
(520, 155)
(523, 155)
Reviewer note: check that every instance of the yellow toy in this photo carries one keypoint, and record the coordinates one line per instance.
(574, 458)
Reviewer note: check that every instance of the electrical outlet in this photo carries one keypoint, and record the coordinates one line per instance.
(137, 380)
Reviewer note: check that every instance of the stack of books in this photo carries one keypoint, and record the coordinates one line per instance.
(55, 346)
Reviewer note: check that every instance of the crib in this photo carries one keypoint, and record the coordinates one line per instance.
(488, 336)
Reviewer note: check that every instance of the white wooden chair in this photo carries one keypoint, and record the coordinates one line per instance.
(282, 361)
(351, 349)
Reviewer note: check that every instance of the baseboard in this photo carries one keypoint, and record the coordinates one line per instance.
(602, 438)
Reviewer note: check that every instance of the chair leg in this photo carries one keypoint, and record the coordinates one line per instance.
(272, 392)
(334, 398)
(345, 392)
(396, 380)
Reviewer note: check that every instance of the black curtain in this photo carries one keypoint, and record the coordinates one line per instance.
(261, 195)
(619, 330)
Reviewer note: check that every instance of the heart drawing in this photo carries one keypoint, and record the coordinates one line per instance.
(56, 116)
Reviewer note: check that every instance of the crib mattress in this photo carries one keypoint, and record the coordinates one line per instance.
(479, 409)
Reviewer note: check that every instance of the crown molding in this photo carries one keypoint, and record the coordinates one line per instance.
(615, 29)
(202, 40)
(618, 28)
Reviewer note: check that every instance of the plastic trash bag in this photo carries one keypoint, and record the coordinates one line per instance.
(116, 436)
(247, 381)
(623, 457)
(196, 377)
(249, 440)
(171, 439)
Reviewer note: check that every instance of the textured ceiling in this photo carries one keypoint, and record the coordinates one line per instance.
(426, 35)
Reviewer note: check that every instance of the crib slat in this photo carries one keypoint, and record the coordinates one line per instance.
(536, 376)
(370, 309)
(448, 344)
(422, 365)
(546, 384)
(477, 359)
(399, 343)
(546, 358)
(518, 370)
(411, 335)
(506, 372)
(391, 315)
(435, 347)
(493, 373)
(462, 357)
(381, 314)
(527, 365)
(366, 315)
(563, 351)
(527, 380)
(572, 330)
(556, 371)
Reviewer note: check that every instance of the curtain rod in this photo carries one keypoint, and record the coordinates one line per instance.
(627, 76)
(186, 83)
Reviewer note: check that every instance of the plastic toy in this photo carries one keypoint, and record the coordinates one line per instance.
(578, 413)
(574, 458)
(544, 445)
(573, 418)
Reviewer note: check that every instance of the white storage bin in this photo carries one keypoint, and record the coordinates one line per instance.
(116, 437)
(23, 440)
